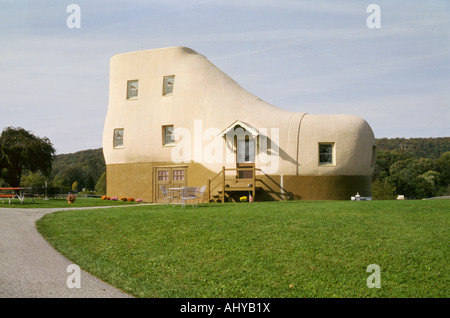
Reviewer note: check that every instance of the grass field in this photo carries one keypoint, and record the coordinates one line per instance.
(263, 249)
(60, 203)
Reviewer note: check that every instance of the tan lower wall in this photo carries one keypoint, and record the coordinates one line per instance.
(130, 180)
(137, 180)
(314, 187)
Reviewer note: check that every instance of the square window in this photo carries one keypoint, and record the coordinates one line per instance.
(168, 83)
(163, 175)
(118, 138)
(168, 135)
(132, 89)
(178, 175)
(326, 154)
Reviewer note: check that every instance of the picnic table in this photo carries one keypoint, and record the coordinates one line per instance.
(19, 193)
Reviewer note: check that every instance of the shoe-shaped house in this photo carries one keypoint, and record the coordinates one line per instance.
(174, 120)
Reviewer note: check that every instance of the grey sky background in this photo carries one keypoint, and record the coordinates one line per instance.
(307, 56)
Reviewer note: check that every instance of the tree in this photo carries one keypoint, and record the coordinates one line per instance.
(100, 187)
(403, 175)
(32, 180)
(383, 190)
(442, 165)
(385, 159)
(427, 184)
(20, 151)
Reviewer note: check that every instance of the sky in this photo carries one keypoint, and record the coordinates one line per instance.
(318, 57)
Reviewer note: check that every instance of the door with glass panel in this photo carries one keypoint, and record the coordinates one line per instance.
(245, 156)
(169, 177)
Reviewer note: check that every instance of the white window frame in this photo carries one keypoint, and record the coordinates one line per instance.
(164, 136)
(129, 83)
(166, 86)
(117, 139)
(333, 154)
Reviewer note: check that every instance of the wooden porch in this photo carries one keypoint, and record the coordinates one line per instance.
(244, 179)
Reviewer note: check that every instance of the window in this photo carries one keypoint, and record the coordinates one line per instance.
(118, 138)
(168, 135)
(374, 156)
(163, 175)
(246, 150)
(178, 175)
(326, 154)
(132, 89)
(168, 83)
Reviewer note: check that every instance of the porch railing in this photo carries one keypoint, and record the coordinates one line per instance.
(223, 183)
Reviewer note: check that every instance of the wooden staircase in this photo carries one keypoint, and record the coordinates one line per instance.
(244, 179)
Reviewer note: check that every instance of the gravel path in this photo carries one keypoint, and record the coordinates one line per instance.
(31, 268)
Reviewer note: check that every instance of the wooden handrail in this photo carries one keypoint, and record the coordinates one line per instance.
(221, 171)
(223, 185)
(224, 178)
(241, 169)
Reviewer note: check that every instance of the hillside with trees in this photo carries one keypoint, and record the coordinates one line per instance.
(79, 171)
(84, 167)
(416, 168)
(417, 147)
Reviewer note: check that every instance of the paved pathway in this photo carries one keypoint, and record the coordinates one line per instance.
(32, 268)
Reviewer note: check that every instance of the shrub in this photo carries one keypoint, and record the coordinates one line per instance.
(383, 190)
(139, 200)
(101, 183)
(130, 199)
(104, 197)
(114, 198)
(123, 199)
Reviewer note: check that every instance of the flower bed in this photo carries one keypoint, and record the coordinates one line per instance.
(124, 199)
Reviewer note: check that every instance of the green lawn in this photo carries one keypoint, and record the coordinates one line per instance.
(263, 249)
(59, 203)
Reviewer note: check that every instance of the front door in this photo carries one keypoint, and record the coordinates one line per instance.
(245, 156)
(170, 177)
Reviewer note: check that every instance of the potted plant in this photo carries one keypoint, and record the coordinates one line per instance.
(71, 198)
